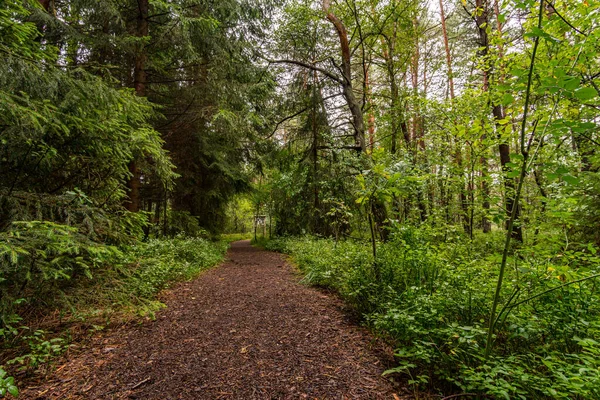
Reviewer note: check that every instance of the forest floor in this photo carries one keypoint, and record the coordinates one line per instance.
(244, 330)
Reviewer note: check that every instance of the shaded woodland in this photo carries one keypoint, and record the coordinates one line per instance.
(435, 163)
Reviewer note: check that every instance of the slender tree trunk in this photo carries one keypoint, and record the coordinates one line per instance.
(447, 48)
(157, 210)
(371, 119)
(414, 69)
(388, 51)
(544, 198)
(418, 150)
(165, 213)
(462, 195)
(504, 149)
(139, 84)
(482, 21)
(452, 96)
(315, 155)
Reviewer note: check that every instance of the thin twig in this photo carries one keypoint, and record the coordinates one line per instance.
(564, 19)
(137, 385)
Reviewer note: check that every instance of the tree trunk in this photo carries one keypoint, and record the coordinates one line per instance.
(347, 89)
(315, 156)
(448, 54)
(464, 203)
(139, 84)
(371, 119)
(482, 21)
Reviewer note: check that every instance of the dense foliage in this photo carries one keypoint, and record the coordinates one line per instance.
(123, 124)
(432, 299)
(86, 281)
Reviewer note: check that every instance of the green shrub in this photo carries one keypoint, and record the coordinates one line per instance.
(433, 299)
(38, 259)
(160, 262)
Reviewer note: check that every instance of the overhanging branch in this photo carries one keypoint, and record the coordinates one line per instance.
(312, 67)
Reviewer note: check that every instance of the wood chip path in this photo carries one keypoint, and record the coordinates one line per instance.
(244, 330)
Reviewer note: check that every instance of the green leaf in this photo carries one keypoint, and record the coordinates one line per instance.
(13, 390)
(591, 248)
(570, 179)
(570, 82)
(507, 99)
(586, 93)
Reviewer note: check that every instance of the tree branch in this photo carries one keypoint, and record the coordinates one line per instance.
(312, 67)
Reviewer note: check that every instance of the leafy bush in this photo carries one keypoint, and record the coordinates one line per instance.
(160, 262)
(433, 299)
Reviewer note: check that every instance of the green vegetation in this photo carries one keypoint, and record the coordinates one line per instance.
(439, 169)
(432, 299)
(437, 164)
(117, 132)
(86, 282)
(234, 237)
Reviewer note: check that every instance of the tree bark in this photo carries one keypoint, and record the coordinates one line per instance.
(139, 83)
(448, 54)
(481, 17)
(347, 89)
(371, 118)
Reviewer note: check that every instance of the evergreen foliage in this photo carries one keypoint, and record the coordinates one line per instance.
(106, 104)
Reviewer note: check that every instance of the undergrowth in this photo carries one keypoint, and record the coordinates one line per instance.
(234, 237)
(433, 299)
(46, 266)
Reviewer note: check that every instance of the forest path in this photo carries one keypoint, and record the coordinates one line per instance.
(244, 330)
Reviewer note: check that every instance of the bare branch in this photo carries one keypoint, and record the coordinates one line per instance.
(312, 67)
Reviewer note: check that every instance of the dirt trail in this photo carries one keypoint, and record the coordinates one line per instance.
(244, 330)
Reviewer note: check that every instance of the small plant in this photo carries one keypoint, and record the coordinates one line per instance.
(41, 350)
(7, 384)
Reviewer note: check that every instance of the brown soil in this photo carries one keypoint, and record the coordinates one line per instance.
(244, 330)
